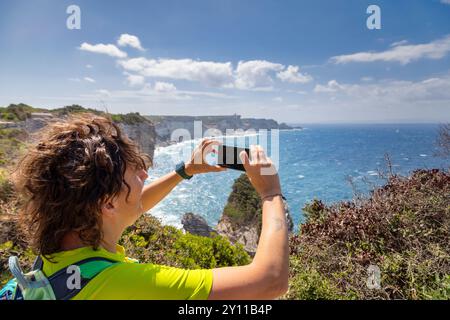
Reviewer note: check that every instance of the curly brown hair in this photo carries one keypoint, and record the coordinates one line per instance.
(76, 166)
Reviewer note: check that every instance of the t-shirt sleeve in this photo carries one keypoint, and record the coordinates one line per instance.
(133, 281)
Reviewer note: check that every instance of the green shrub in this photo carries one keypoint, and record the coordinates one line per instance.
(149, 241)
(7, 250)
(16, 112)
(315, 211)
(129, 118)
(6, 186)
(403, 228)
(309, 284)
(194, 252)
(244, 204)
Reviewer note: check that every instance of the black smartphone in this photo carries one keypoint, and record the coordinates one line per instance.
(228, 157)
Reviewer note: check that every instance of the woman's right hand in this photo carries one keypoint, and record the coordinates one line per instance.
(261, 172)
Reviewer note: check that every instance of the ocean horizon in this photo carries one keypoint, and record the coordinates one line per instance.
(316, 162)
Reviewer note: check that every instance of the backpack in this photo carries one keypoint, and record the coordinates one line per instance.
(35, 285)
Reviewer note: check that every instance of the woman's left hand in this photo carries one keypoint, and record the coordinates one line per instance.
(198, 164)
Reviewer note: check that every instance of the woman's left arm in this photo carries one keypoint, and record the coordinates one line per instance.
(159, 189)
(153, 193)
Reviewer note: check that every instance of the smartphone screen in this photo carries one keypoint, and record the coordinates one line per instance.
(228, 157)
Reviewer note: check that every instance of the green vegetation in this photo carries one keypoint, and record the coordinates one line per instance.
(149, 241)
(12, 143)
(17, 112)
(244, 204)
(129, 118)
(20, 112)
(73, 109)
(403, 228)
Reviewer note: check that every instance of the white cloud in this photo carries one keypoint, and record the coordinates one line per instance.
(332, 86)
(206, 72)
(104, 93)
(445, 1)
(131, 41)
(159, 92)
(292, 74)
(134, 80)
(255, 74)
(89, 79)
(403, 54)
(89, 66)
(108, 49)
(394, 91)
(164, 87)
(278, 99)
(399, 43)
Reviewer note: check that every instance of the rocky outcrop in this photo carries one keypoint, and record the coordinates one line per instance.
(197, 225)
(37, 121)
(241, 219)
(142, 132)
(247, 232)
(166, 125)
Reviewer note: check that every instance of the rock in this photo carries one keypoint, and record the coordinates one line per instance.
(143, 134)
(166, 125)
(241, 219)
(196, 225)
(7, 124)
(247, 235)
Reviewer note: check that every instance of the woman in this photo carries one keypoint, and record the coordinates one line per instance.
(83, 185)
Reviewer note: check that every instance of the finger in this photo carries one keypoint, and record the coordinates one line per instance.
(210, 143)
(265, 165)
(262, 155)
(203, 143)
(208, 146)
(253, 154)
(244, 159)
(218, 168)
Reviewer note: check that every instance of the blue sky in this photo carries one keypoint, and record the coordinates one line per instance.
(294, 61)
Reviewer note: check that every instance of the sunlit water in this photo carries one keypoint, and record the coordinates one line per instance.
(313, 163)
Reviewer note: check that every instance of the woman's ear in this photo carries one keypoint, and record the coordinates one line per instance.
(108, 208)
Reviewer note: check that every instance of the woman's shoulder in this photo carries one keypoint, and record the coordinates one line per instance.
(59, 260)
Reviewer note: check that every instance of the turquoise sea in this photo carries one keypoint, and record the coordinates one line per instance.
(315, 162)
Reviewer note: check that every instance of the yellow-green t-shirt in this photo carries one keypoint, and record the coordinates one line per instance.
(130, 280)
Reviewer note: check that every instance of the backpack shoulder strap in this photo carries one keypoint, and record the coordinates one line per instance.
(37, 264)
(89, 268)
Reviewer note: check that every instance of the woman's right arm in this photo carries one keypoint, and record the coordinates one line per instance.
(267, 276)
